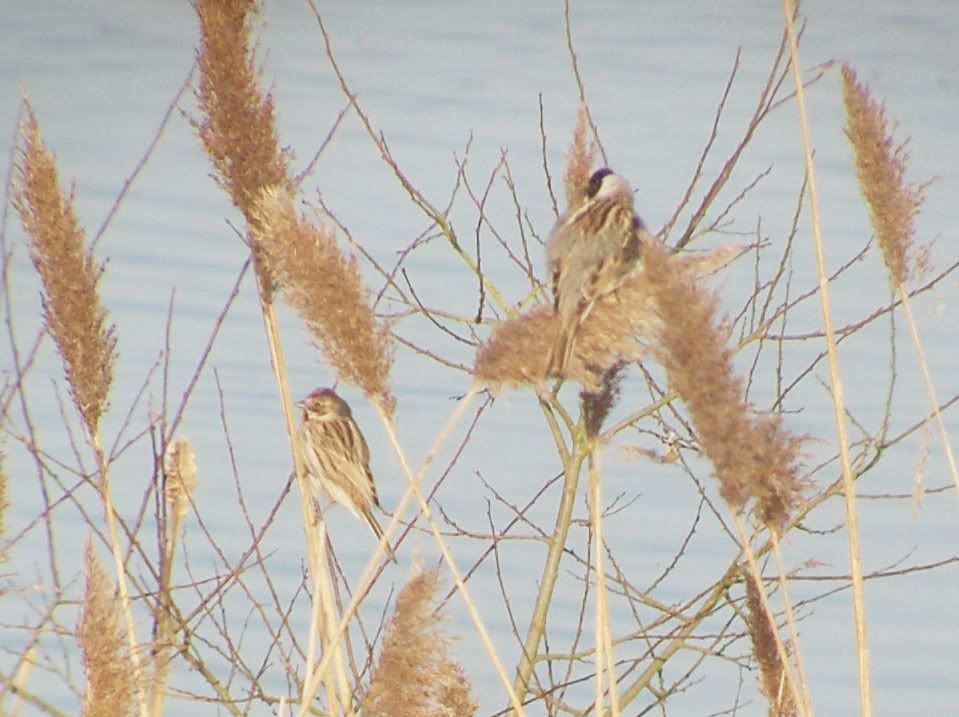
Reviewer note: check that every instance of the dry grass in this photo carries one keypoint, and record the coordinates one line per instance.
(754, 457)
(415, 676)
(326, 289)
(111, 685)
(69, 273)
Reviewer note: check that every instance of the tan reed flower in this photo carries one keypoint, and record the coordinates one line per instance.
(238, 128)
(754, 457)
(325, 288)
(580, 159)
(180, 467)
(415, 674)
(620, 327)
(772, 676)
(69, 273)
(106, 661)
(881, 170)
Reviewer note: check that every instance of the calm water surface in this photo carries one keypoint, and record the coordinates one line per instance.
(433, 77)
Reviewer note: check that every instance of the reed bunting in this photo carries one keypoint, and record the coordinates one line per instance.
(591, 252)
(337, 457)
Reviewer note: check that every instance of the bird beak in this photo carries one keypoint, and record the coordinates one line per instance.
(300, 404)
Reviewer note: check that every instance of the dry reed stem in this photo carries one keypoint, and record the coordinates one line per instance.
(326, 289)
(316, 619)
(415, 674)
(181, 481)
(838, 394)
(894, 204)
(74, 316)
(111, 685)
(754, 457)
(365, 581)
(604, 643)
(791, 622)
(239, 134)
(312, 523)
(20, 681)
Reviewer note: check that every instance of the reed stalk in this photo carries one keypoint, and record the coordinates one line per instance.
(790, 9)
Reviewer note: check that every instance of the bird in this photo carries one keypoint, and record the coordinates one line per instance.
(337, 458)
(592, 250)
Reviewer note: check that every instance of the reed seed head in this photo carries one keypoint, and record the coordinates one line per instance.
(111, 685)
(325, 288)
(181, 479)
(415, 674)
(754, 457)
(238, 124)
(69, 274)
(580, 160)
(772, 675)
(893, 201)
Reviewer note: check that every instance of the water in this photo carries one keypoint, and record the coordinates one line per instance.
(432, 76)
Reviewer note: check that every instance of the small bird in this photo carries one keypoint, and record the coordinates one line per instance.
(337, 457)
(591, 252)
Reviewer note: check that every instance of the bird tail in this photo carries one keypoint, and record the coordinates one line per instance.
(562, 351)
(378, 532)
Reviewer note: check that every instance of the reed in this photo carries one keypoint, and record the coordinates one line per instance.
(72, 310)
(415, 674)
(180, 484)
(764, 635)
(325, 288)
(76, 320)
(894, 203)
(111, 685)
(238, 131)
(790, 11)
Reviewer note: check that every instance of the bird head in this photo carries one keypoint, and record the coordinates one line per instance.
(323, 404)
(606, 184)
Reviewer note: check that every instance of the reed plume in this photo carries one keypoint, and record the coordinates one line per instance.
(621, 327)
(893, 202)
(180, 468)
(75, 318)
(893, 206)
(580, 161)
(181, 480)
(754, 457)
(415, 676)
(238, 129)
(111, 684)
(326, 289)
(763, 633)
